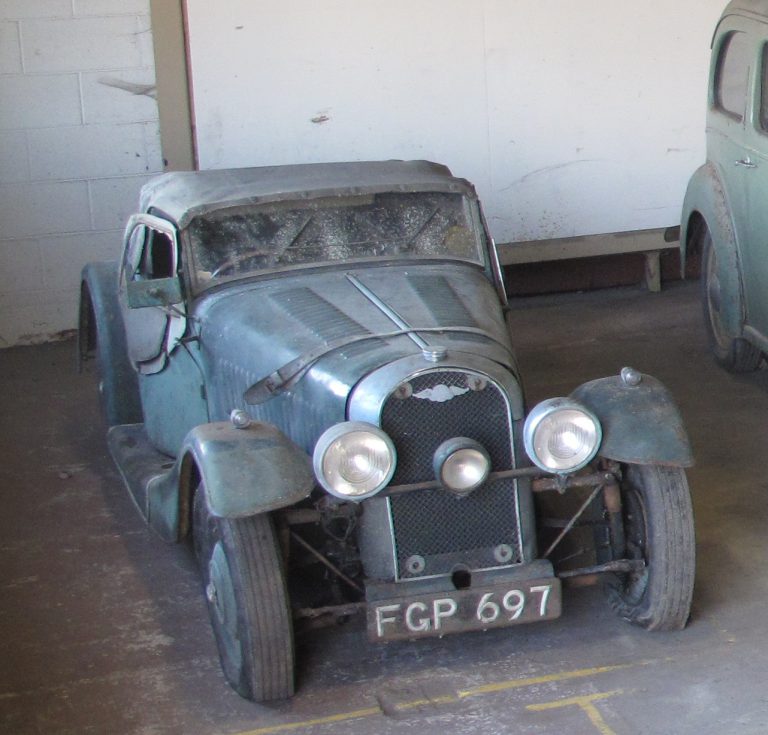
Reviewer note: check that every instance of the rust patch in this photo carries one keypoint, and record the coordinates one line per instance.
(37, 338)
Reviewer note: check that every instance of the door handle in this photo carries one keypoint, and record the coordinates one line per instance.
(746, 163)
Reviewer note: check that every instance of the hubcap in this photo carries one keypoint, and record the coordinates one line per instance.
(221, 596)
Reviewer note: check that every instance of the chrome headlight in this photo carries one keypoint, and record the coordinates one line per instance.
(561, 435)
(354, 460)
(461, 465)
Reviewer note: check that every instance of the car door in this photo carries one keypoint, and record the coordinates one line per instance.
(755, 249)
(727, 116)
(149, 291)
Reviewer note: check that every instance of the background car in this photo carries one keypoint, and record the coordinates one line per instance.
(724, 216)
(307, 370)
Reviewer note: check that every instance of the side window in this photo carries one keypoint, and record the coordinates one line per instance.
(731, 75)
(150, 254)
(158, 256)
(764, 89)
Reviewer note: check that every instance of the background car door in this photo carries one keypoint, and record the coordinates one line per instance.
(755, 250)
(727, 120)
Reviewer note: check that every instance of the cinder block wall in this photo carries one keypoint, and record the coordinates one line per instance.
(79, 135)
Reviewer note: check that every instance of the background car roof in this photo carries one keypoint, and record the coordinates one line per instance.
(747, 7)
(183, 195)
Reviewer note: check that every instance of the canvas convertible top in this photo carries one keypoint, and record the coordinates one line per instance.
(183, 195)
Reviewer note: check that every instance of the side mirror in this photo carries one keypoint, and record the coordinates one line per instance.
(154, 292)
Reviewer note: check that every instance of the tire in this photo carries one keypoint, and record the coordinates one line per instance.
(658, 528)
(247, 600)
(734, 353)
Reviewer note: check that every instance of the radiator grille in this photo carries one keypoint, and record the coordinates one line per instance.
(479, 531)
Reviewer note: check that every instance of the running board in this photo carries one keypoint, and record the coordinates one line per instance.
(139, 462)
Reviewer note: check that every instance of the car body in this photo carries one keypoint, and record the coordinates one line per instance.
(308, 370)
(724, 215)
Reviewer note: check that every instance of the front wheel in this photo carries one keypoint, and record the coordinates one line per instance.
(248, 603)
(658, 529)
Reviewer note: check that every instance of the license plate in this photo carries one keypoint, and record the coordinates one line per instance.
(476, 609)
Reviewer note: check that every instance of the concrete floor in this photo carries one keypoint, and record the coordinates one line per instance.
(103, 627)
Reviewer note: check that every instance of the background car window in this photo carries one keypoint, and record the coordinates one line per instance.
(764, 89)
(731, 75)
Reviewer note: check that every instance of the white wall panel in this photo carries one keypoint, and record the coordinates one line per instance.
(40, 208)
(114, 200)
(93, 151)
(10, 48)
(39, 100)
(21, 266)
(54, 45)
(14, 159)
(570, 117)
(78, 137)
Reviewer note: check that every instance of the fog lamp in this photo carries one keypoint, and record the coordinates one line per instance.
(461, 465)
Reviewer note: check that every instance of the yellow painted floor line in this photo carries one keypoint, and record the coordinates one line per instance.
(330, 719)
(546, 679)
(586, 703)
(477, 691)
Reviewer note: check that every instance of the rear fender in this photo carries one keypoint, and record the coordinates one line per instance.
(244, 472)
(101, 334)
(706, 206)
(641, 423)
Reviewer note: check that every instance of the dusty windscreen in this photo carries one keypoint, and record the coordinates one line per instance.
(237, 241)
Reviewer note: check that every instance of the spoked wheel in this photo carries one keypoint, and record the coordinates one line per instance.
(732, 352)
(658, 529)
(248, 603)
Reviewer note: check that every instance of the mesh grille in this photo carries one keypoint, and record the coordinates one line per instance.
(434, 524)
(418, 426)
(445, 530)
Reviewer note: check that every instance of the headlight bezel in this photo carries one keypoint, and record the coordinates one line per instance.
(331, 478)
(541, 418)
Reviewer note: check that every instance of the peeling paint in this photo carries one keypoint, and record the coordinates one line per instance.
(36, 338)
(320, 118)
(548, 170)
(149, 90)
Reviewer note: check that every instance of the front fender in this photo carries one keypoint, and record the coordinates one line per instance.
(246, 471)
(641, 423)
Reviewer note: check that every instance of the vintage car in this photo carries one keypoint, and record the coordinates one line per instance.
(307, 370)
(725, 218)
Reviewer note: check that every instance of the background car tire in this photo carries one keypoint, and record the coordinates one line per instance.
(658, 528)
(733, 353)
(247, 600)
